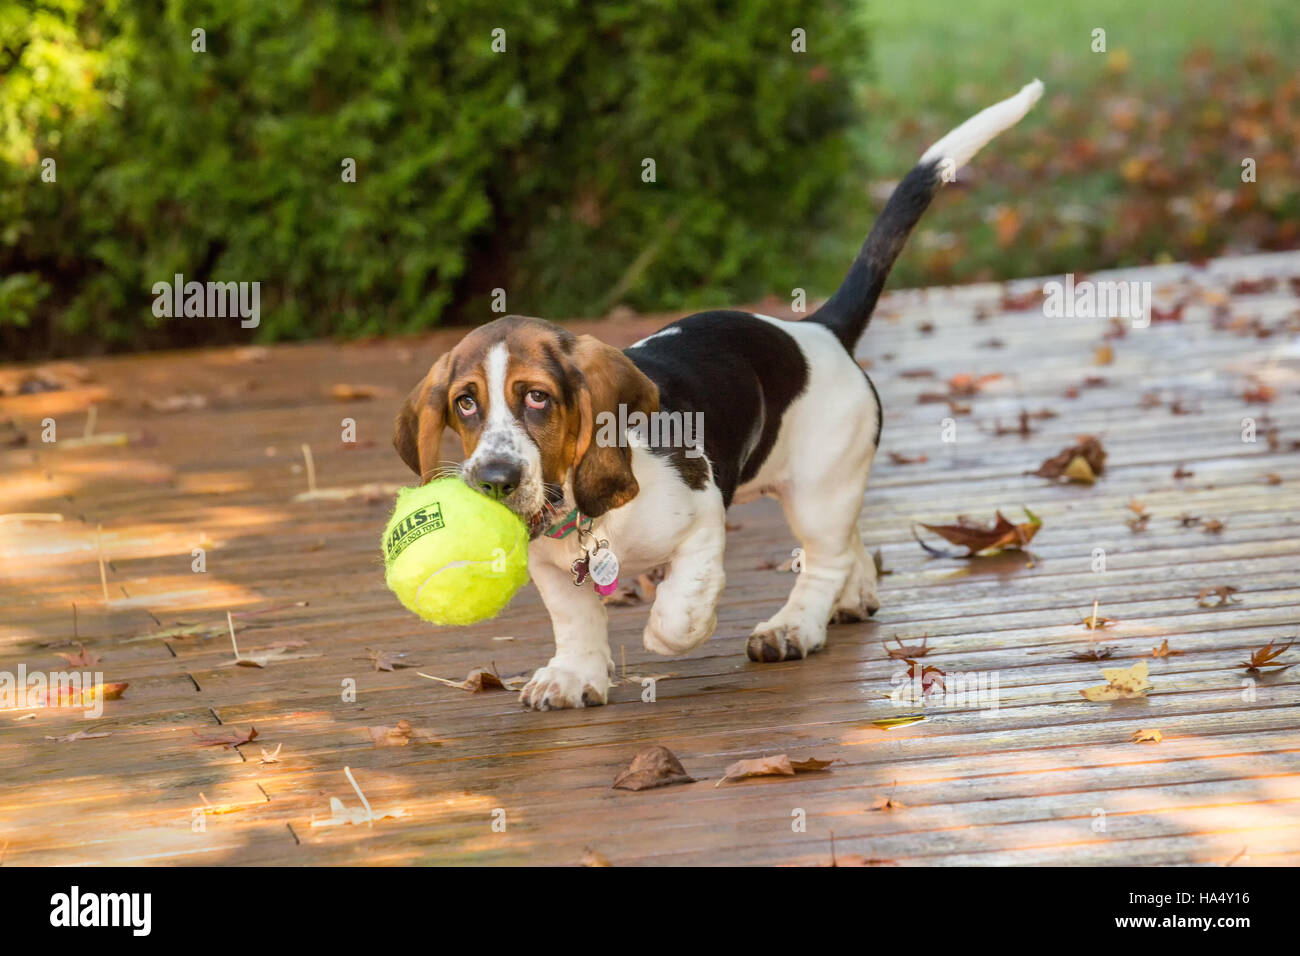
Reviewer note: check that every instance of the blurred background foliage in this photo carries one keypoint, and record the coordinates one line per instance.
(523, 170)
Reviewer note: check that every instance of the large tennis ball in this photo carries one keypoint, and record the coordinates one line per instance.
(452, 555)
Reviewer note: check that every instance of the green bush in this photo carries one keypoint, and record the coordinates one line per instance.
(475, 169)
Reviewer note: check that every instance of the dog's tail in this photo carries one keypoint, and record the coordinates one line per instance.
(848, 311)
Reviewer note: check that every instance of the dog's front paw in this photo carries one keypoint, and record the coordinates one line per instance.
(772, 642)
(561, 684)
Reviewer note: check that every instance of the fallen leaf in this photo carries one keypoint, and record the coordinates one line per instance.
(978, 538)
(478, 680)
(1224, 592)
(890, 723)
(778, 766)
(887, 803)
(592, 857)
(1103, 355)
(1164, 650)
(1147, 736)
(1071, 462)
(905, 651)
(652, 767)
(1180, 473)
(341, 814)
(65, 696)
(346, 393)
(1267, 657)
(231, 739)
(398, 736)
(1259, 393)
(900, 459)
(1093, 654)
(271, 756)
(386, 660)
(1093, 622)
(1214, 526)
(1122, 683)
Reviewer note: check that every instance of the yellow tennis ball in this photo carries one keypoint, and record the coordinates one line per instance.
(452, 555)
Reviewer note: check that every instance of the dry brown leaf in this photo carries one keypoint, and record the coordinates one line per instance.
(1224, 592)
(1164, 650)
(479, 679)
(386, 660)
(1094, 654)
(905, 651)
(652, 767)
(1082, 461)
(398, 736)
(592, 857)
(345, 393)
(1214, 526)
(1123, 683)
(979, 538)
(1266, 656)
(901, 459)
(1094, 622)
(64, 696)
(887, 803)
(778, 766)
(1147, 736)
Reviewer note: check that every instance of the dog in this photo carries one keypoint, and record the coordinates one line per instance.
(546, 418)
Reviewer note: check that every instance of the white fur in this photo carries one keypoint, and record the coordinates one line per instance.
(960, 145)
(820, 485)
(503, 435)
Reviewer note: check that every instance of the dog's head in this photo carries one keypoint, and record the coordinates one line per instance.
(528, 400)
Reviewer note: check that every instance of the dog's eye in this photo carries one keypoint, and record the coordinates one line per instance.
(536, 399)
(467, 405)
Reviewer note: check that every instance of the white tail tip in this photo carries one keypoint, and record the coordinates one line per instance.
(959, 146)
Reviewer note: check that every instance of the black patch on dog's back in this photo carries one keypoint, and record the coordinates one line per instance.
(740, 372)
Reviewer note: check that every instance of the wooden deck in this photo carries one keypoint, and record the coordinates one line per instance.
(1049, 777)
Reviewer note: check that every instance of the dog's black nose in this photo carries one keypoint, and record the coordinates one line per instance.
(498, 477)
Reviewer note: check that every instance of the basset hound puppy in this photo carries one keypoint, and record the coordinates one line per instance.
(561, 429)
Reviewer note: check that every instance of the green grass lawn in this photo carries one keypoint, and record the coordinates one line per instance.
(1134, 154)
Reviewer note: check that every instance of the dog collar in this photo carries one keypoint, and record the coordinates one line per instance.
(570, 523)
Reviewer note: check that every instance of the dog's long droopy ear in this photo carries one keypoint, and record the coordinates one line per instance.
(602, 462)
(417, 433)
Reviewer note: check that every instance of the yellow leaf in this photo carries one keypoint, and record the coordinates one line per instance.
(1124, 682)
(889, 723)
(1079, 470)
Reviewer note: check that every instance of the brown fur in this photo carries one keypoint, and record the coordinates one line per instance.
(584, 378)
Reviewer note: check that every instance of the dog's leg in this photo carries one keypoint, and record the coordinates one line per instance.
(686, 602)
(824, 517)
(858, 600)
(578, 674)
